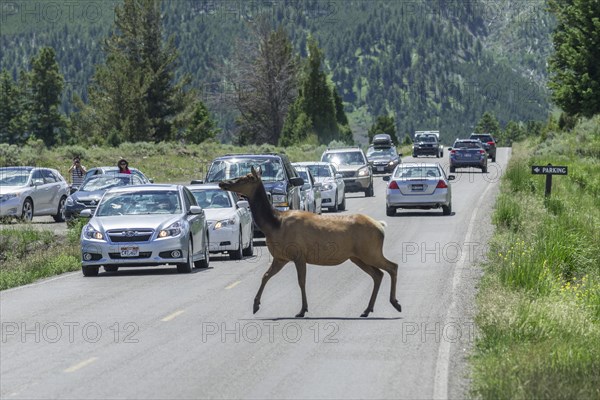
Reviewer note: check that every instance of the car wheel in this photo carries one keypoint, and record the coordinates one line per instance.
(90, 270)
(249, 251)
(452, 169)
(204, 263)
(447, 210)
(27, 214)
(60, 215)
(484, 170)
(415, 155)
(111, 268)
(342, 206)
(494, 159)
(186, 267)
(335, 204)
(390, 211)
(237, 254)
(369, 192)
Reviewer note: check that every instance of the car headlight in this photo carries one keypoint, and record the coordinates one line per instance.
(8, 196)
(279, 198)
(70, 201)
(327, 186)
(89, 232)
(172, 230)
(224, 223)
(391, 163)
(364, 171)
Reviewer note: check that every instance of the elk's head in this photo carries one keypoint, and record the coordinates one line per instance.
(244, 185)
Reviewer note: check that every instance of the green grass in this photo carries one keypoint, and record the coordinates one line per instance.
(539, 302)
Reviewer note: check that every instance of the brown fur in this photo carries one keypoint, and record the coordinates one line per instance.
(307, 238)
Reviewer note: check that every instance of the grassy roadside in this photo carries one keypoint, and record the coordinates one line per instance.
(539, 302)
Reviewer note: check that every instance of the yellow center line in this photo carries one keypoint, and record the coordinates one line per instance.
(234, 284)
(172, 316)
(80, 365)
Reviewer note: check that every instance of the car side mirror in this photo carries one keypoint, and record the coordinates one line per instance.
(387, 178)
(297, 181)
(451, 177)
(400, 154)
(449, 148)
(86, 213)
(151, 180)
(195, 210)
(243, 204)
(338, 176)
(196, 182)
(36, 182)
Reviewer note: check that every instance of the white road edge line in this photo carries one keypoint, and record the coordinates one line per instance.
(80, 365)
(440, 384)
(234, 284)
(172, 316)
(65, 275)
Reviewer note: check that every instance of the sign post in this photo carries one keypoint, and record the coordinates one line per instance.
(548, 170)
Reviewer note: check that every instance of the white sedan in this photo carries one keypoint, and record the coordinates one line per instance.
(229, 220)
(333, 188)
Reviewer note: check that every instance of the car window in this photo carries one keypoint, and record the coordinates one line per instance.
(48, 176)
(137, 180)
(13, 177)
(37, 178)
(344, 158)
(419, 172)
(139, 203)
(271, 169)
(212, 198)
(467, 145)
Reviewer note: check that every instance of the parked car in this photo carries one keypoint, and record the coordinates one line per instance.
(115, 170)
(229, 220)
(352, 163)
(420, 186)
(427, 145)
(310, 192)
(333, 188)
(91, 191)
(383, 159)
(466, 153)
(147, 225)
(26, 192)
(279, 177)
(489, 143)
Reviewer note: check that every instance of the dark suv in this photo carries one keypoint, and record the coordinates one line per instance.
(489, 143)
(279, 177)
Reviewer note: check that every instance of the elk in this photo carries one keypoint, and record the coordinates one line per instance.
(299, 236)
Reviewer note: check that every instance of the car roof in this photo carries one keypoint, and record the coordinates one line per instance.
(467, 140)
(203, 186)
(110, 168)
(343, 149)
(307, 163)
(146, 188)
(419, 165)
(250, 155)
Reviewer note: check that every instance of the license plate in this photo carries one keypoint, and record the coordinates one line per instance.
(130, 251)
(417, 187)
(379, 169)
(467, 155)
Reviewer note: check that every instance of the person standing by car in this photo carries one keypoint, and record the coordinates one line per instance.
(123, 166)
(77, 172)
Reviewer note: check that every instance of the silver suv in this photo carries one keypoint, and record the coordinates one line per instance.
(356, 171)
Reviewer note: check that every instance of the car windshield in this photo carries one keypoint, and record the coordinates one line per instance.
(212, 198)
(304, 175)
(320, 171)
(13, 177)
(483, 138)
(419, 172)
(381, 152)
(102, 182)
(426, 138)
(347, 158)
(271, 169)
(467, 145)
(139, 203)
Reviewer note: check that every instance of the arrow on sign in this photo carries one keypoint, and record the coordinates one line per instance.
(536, 169)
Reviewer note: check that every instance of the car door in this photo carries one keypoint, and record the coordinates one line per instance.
(40, 193)
(53, 187)
(341, 186)
(196, 221)
(245, 218)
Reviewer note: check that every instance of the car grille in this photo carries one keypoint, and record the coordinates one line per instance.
(117, 256)
(348, 174)
(130, 235)
(89, 203)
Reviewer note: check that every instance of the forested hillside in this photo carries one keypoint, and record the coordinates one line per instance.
(432, 64)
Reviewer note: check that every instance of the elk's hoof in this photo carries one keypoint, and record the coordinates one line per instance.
(256, 307)
(365, 314)
(397, 306)
(301, 314)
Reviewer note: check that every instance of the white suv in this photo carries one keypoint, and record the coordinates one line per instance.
(352, 163)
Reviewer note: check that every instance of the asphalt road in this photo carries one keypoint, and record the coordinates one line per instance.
(153, 333)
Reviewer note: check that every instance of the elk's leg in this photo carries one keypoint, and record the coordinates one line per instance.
(275, 267)
(301, 270)
(392, 269)
(377, 275)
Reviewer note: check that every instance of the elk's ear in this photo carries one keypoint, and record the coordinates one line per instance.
(255, 173)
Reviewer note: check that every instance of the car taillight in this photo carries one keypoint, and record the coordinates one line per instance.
(452, 151)
(441, 185)
(482, 151)
(393, 185)
(491, 143)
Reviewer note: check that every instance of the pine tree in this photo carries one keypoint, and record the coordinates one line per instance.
(384, 124)
(46, 84)
(13, 121)
(488, 124)
(201, 126)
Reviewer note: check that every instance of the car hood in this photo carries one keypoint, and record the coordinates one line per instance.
(276, 187)
(343, 168)
(381, 158)
(217, 214)
(85, 195)
(324, 179)
(156, 221)
(13, 189)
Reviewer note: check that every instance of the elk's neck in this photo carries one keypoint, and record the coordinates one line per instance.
(265, 216)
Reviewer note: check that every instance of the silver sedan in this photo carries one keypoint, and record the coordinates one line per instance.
(145, 225)
(420, 186)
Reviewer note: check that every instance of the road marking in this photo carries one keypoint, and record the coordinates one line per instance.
(234, 284)
(172, 316)
(66, 275)
(440, 384)
(81, 364)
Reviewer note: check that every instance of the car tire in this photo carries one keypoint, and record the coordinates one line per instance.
(415, 155)
(369, 192)
(342, 206)
(90, 270)
(249, 251)
(447, 210)
(494, 159)
(206, 261)
(60, 215)
(186, 267)
(111, 268)
(27, 213)
(484, 170)
(237, 254)
(335, 204)
(390, 211)
(452, 169)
